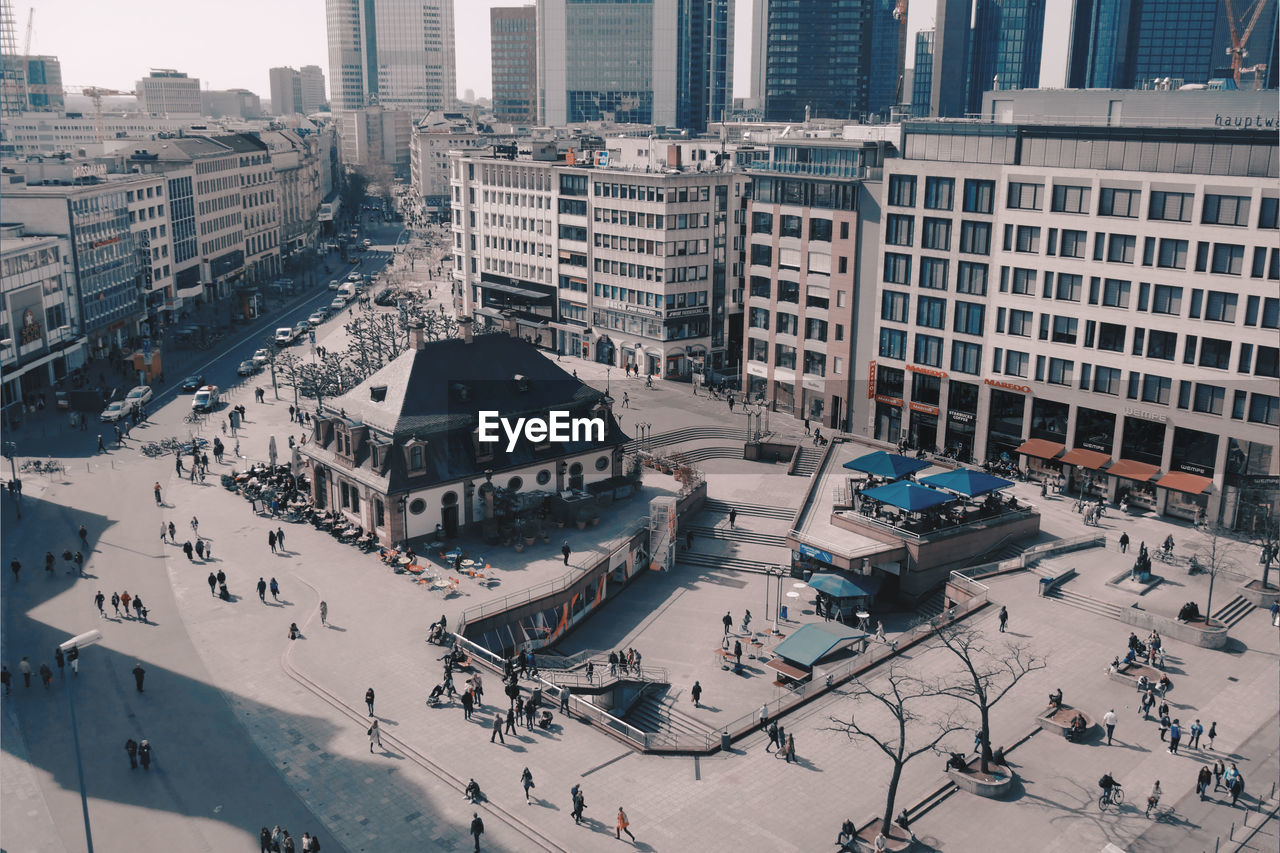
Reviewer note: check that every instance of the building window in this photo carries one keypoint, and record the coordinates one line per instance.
(968, 318)
(1115, 293)
(975, 238)
(893, 344)
(1070, 199)
(1028, 239)
(1208, 399)
(938, 193)
(1060, 371)
(1162, 345)
(1215, 353)
(899, 229)
(978, 195)
(790, 226)
(966, 357)
(1269, 213)
(1170, 207)
(758, 318)
(1021, 323)
(757, 350)
(1024, 281)
(602, 462)
(1068, 287)
(417, 506)
(1073, 244)
(902, 190)
(1119, 202)
(897, 268)
(761, 223)
(1155, 389)
(784, 356)
(1016, 363)
(936, 234)
(815, 363)
(544, 477)
(894, 306)
(931, 312)
(820, 230)
(1120, 248)
(933, 273)
(1228, 259)
(1173, 254)
(761, 255)
(1106, 380)
(971, 278)
(1064, 330)
(928, 350)
(1166, 299)
(1111, 337)
(1025, 196)
(1264, 409)
(1220, 306)
(761, 286)
(1225, 210)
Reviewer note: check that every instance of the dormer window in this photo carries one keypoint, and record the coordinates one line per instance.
(415, 457)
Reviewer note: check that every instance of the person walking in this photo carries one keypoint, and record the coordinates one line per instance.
(98, 600)
(125, 598)
(73, 658)
(60, 659)
(1165, 724)
(264, 841)
(200, 549)
(1124, 542)
(728, 622)
(280, 538)
(262, 588)
(510, 726)
(1213, 732)
(791, 749)
(733, 516)
(115, 602)
(138, 675)
(1109, 720)
(131, 747)
(477, 829)
(1004, 618)
(144, 754)
(1196, 731)
(566, 551)
(271, 540)
(1234, 782)
(1217, 774)
(497, 730)
(773, 736)
(375, 736)
(156, 488)
(195, 525)
(84, 538)
(564, 700)
(696, 692)
(139, 609)
(173, 533)
(526, 782)
(46, 675)
(275, 589)
(467, 704)
(324, 614)
(368, 700)
(579, 803)
(24, 667)
(1175, 737)
(1203, 778)
(188, 550)
(623, 824)
(764, 716)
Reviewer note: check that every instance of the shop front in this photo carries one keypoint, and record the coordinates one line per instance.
(1004, 423)
(1040, 458)
(924, 426)
(1186, 495)
(962, 416)
(888, 388)
(1084, 472)
(1132, 484)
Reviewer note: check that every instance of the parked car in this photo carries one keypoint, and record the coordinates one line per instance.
(206, 399)
(193, 382)
(316, 319)
(139, 396)
(335, 284)
(284, 336)
(367, 243)
(338, 304)
(116, 411)
(248, 367)
(260, 357)
(355, 277)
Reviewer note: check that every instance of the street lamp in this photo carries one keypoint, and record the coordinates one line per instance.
(15, 485)
(88, 638)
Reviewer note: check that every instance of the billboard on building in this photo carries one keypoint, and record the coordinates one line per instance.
(26, 319)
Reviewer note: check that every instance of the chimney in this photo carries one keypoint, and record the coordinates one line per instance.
(464, 326)
(417, 335)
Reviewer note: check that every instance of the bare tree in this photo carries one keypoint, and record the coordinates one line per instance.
(1221, 554)
(901, 692)
(986, 675)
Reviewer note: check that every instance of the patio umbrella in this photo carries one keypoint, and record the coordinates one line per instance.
(967, 481)
(888, 465)
(908, 496)
(271, 451)
(836, 586)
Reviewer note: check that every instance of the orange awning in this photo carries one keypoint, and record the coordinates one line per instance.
(1138, 471)
(1081, 458)
(1181, 481)
(1040, 448)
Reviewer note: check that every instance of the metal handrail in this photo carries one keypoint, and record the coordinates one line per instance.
(648, 674)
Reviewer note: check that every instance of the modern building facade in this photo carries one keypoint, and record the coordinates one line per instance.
(295, 159)
(1007, 39)
(376, 136)
(949, 94)
(1109, 316)
(663, 62)
(230, 103)
(313, 91)
(814, 223)
(396, 53)
(166, 92)
(513, 45)
(286, 91)
(628, 267)
(434, 137)
(922, 79)
(44, 84)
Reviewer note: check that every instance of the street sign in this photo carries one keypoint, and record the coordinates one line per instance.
(312, 336)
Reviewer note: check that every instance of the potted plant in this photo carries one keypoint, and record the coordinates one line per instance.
(581, 518)
(528, 531)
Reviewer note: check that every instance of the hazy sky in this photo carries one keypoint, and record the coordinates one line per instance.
(231, 43)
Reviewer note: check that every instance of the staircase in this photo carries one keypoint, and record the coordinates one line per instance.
(1085, 602)
(713, 561)
(757, 510)
(1234, 611)
(933, 604)
(678, 436)
(738, 534)
(1005, 552)
(808, 461)
(701, 454)
(655, 712)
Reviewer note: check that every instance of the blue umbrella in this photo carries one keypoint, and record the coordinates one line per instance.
(967, 481)
(908, 496)
(839, 586)
(888, 465)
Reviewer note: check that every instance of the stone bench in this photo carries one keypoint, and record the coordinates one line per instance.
(994, 785)
(1132, 673)
(1059, 719)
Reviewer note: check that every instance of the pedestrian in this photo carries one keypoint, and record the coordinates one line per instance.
(368, 700)
(78, 560)
(764, 716)
(564, 700)
(294, 633)
(139, 609)
(200, 552)
(791, 749)
(188, 550)
(1004, 618)
(131, 747)
(1196, 731)
(623, 823)
(98, 600)
(497, 730)
(84, 538)
(1213, 732)
(613, 663)
(173, 533)
(1203, 778)
(1109, 720)
(1175, 737)
(696, 692)
(264, 841)
(591, 671)
(6, 678)
(102, 448)
(566, 551)
(195, 525)
(280, 538)
(46, 675)
(579, 803)
(275, 589)
(144, 754)
(24, 667)
(375, 736)
(733, 516)
(324, 614)
(1124, 542)
(728, 622)
(1165, 724)
(156, 488)
(73, 658)
(526, 781)
(510, 726)
(115, 601)
(467, 704)
(1217, 774)
(688, 539)
(737, 653)
(626, 400)
(125, 598)
(138, 674)
(60, 659)
(262, 588)
(773, 736)
(1235, 783)
(271, 540)
(477, 829)
(530, 709)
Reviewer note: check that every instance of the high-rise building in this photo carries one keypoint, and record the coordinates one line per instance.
(759, 52)
(1007, 39)
(286, 91)
(665, 62)
(166, 92)
(1099, 56)
(514, 51)
(230, 103)
(396, 53)
(313, 99)
(44, 84)
(949, 93)
(922, 83)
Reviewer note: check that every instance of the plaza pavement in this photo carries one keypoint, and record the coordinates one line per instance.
(226, 670)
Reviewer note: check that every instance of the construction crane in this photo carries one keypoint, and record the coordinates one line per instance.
(96, 93)
(1237, 50)
(31, 20)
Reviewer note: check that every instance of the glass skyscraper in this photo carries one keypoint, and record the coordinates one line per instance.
(922, 80)
(397, 53)
(1007, 38)
(514, 50)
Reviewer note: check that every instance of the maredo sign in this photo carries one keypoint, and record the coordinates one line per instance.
(1008, 386)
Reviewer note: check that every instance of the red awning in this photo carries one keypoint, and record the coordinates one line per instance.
(1081, 458)
(1040, 448)
(1138, 471)
(1181, 481)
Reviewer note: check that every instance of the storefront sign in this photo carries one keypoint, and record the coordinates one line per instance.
(924, 409)
(1146, 416)
(813, 384)
(1192, 468)
(90, 170)
(627, 308)
(927, 371)
(892, 401)
(1008, 386)
(871, 381)
(679, 312)
(815, 553)
(960, 417)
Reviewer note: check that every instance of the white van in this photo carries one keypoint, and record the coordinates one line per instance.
(206, 399)
(347, 291)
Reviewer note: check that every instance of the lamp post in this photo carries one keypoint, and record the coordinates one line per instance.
(86, 639)
(15, 485)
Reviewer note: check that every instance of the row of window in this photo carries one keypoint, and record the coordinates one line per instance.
(813, 364)
(931, 312)
(966, 357)
(793, 226)
(789, 324)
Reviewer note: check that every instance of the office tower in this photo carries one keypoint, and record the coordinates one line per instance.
(514, 50)
(1007, 37)
(818, 59)
(286, 91)
(759, 51)
(1099, 56)
(888, 56)
(922, 85)
(169, 92)
(665, 62)
(949, 94)
(397, 53)
(313, 99)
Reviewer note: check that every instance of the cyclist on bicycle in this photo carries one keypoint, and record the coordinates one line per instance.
(1167, 547)
(1107, 784)
(1153, 801)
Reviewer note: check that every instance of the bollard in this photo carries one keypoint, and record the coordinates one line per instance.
(1231, 833)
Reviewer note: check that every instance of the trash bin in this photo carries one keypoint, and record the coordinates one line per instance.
(782, 613)
(1045, 585)
(725, 741)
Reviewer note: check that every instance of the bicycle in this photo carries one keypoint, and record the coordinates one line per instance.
(1153, 805)
(1112, 797)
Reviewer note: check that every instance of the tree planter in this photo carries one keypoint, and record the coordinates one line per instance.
(581, 525)
(990, 785)
(519, 546)
(899, 839)
(1258, 596)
